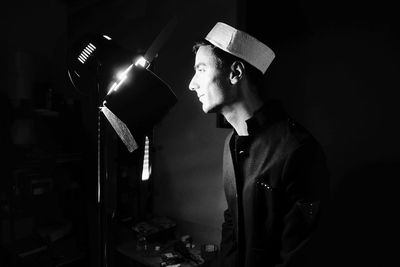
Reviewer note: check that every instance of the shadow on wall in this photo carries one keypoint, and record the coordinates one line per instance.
(364, 224)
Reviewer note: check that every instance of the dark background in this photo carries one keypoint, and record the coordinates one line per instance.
(337, 70)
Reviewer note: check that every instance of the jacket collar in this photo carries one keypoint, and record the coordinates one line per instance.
(270, 112)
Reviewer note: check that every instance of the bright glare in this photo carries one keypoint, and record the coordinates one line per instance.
(107, 37)
(142, 62)
(121, 76)
(112, 88)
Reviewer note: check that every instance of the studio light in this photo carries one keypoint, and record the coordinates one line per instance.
(131, 96)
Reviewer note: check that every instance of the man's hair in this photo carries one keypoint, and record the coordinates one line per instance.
(225, 60)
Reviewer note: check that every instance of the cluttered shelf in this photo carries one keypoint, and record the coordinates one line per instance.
(36, 222)
(34, 183)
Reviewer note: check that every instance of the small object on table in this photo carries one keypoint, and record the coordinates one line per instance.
(209, 251)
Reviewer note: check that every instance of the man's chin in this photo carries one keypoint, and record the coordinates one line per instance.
(208, 110)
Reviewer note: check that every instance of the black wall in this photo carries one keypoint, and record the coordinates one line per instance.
(336, 70)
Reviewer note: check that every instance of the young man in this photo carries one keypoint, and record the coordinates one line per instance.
(274, 171)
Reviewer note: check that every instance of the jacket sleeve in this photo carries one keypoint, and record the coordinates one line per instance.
(228, 246)
(306, 194)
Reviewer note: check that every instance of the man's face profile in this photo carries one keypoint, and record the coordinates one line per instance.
(208, 80)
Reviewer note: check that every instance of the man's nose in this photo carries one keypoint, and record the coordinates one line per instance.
(193, 86)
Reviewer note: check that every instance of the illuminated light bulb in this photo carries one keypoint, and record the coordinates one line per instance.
(122, 75)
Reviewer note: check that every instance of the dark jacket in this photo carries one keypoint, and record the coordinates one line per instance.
(276, 183)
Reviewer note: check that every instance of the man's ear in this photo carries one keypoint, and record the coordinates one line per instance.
(237, 72)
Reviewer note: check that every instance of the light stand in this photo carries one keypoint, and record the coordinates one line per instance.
(132, 104)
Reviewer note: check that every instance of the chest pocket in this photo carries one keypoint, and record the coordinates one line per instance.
(269, 213)
(270, 196)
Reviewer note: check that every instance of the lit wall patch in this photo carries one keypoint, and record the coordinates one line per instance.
(146, 161)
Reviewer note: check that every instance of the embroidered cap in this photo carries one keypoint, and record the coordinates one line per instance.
(242, 45)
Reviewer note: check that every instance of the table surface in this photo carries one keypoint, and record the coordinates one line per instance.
(152, 258)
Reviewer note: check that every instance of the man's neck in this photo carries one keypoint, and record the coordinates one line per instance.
(238, 113)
